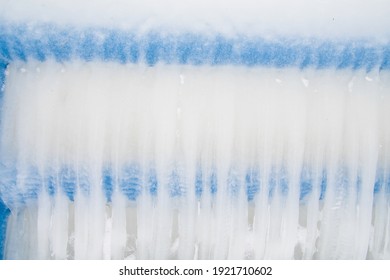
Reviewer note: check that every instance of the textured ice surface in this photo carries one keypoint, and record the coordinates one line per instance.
(302, 18)
(197, 157)
(109, 160)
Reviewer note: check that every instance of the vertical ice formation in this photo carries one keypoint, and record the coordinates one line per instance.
(195, 129)
(105, 160)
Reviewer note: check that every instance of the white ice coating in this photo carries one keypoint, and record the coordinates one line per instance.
(219, 118)
(305, 18)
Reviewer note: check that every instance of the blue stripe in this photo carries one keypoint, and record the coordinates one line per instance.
(3, 66)
(132, 181)
(40, 42)
(4, 212)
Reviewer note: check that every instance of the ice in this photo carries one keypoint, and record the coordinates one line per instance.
(297, 19)
(101, 160)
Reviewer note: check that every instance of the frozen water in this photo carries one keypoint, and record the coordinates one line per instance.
(299, 18)
(108, 160)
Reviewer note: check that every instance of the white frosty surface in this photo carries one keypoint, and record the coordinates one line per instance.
(320, 18)
(226, 120)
